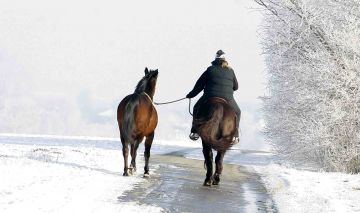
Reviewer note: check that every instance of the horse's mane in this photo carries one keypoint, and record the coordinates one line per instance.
(141, 86)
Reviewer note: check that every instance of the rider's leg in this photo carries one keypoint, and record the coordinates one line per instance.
(195, 113)
(194, 135)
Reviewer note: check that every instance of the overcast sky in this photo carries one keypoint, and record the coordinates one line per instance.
(65, 65)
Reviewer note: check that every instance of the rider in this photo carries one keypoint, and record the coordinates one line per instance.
(218, 80)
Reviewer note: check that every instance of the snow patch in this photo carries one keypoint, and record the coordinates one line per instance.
(306, 191)
(65, 179)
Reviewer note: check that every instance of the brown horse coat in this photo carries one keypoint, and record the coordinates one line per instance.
(137, 118)
(145, 117)
(216, 124)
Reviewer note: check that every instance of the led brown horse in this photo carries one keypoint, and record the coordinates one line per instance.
(137, 118)
(216, 124)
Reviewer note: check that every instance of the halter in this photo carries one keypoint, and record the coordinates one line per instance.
(149, 98)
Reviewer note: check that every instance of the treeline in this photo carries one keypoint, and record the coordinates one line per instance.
(312, 105)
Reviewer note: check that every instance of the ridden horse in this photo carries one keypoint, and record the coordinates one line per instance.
(137, 118)
(216, 124)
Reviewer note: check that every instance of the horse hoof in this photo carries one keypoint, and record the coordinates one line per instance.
(146, 176)
(215, 183)
(207, 183)
(216, 179)
(132, 171)
(125, 174)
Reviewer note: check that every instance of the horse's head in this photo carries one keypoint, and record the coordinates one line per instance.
(151, 75)
(148, 82)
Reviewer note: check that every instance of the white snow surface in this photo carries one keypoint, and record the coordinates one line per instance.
(299, 191)
(47, 178)
(73, 174)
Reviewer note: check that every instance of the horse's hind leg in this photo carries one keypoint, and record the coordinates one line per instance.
(133, 152)
(125, 150)
(208, 155)
(148, 143)
(219, 167)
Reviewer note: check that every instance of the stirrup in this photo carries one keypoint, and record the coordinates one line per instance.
(194, 136)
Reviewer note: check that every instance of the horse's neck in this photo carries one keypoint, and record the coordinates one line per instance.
(150, 98)
(150, 93)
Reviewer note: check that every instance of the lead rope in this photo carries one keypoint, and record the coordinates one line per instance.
(170, 102)
(190, 107)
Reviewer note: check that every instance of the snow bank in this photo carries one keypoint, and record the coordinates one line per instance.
(39, 178)
(305, 191)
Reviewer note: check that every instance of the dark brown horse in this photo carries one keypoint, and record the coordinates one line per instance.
(216, 124)
(137, 118)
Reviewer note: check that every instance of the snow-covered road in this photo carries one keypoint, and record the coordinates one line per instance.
(176, 186)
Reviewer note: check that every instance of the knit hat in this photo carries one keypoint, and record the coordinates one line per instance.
(220, 54)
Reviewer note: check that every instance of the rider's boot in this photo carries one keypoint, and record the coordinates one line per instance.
(236, 138)
(194, 135)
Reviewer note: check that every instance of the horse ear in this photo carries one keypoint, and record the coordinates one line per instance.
(146, 71)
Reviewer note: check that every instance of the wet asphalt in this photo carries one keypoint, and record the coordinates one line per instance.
(176, 182)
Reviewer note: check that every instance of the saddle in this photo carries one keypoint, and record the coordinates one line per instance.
(206, 102)
(216, 99)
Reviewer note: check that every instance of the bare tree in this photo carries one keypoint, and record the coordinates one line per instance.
(312, 110)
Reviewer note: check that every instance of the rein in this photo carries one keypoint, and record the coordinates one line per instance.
(170, 102)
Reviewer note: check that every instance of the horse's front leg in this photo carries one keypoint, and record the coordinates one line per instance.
(125, 150)
(208, 155)
(148, 143)
(219, 167)
(133, 152)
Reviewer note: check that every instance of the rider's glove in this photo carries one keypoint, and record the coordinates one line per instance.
(189, 96)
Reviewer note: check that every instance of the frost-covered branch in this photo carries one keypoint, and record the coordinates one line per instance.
(312, 110)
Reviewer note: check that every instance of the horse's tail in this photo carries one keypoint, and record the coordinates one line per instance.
(128, 122)
(210, 130)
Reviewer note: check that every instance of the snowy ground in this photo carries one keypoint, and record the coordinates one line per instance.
(305, 191)
(57, 174)
(43, 178)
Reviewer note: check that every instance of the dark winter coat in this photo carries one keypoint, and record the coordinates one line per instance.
(218, 80)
